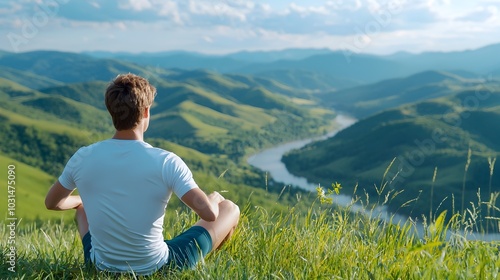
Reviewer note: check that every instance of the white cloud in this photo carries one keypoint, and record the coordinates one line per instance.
(137, 5)
(170, 9)
(208, 39)
(481, 14)
(220, 9)
(224, 24)
(95, 4)
(304, 11)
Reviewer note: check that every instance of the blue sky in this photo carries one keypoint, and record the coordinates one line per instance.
(211, 26)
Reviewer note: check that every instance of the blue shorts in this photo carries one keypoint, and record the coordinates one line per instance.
(185, 250)
(188, 248)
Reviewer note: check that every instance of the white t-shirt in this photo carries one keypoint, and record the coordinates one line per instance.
(125, 186)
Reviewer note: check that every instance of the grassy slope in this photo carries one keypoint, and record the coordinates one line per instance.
(31, 185)
(318, 244)
(91, 93)
(271, 241)
(85, 116)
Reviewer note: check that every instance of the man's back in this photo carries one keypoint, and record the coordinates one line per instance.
(125, 186)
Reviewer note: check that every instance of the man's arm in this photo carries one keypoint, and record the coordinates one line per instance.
(60, 198)
(207, 207)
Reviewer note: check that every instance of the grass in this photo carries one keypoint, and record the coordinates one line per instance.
(32, 185)
(319, 243)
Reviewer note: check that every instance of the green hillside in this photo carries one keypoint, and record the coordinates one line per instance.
(211, 120)
(86, 116)
(11, 89)
(91, 93)
(343, 65)
(27, 79)
(419, 138)
(31, 187)
(365, 100)
(71, 67)
(230, 115)
(309, 80)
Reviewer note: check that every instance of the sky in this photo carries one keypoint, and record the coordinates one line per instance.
(218, 27)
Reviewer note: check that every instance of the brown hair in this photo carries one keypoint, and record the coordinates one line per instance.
(127, 96)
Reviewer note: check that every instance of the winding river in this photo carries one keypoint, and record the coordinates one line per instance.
(269, 160)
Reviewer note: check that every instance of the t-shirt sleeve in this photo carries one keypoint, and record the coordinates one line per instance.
(67, 178)
(178, 176)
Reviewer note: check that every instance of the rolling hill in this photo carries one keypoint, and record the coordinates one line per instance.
(91, 93)
(67, 67)
(176, 60)
(229, 114)
(309, 80)
(342, 67)
(51, 104)
(216, 113)
(419, 137)
(365, 100)
(209, 119)
(27, 79)
(358, 67)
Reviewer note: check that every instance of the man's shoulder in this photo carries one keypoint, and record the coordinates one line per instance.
(159, 151)
(89, 148)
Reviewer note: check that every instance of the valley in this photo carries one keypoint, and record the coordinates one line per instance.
(415, 119)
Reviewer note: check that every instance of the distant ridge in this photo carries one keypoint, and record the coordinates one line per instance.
(69, 67)
(357, 67)
(275, 55)
(364, 68)
(482, 60)
(365, 100)
(28, 79)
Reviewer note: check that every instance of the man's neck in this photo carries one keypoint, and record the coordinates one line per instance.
(129, 134)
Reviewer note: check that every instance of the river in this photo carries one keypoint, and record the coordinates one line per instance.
(269, 160)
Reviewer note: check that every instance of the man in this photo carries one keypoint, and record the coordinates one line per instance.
(124, 185)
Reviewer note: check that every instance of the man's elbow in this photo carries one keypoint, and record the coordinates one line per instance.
(50, 205)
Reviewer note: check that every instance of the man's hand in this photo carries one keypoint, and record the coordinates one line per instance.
(216, 198)
(207, 207)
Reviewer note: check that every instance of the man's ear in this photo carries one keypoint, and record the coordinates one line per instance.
(146, 113)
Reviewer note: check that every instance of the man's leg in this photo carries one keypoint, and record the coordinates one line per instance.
(81, 220)
(223, 227)
(83, 230)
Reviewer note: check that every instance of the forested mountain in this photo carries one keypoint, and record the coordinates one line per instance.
(71, 67)
(366, 100)
(339, 66)
(419, 137)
